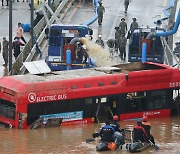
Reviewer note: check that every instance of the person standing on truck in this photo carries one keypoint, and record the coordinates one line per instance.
(134, 25)
(100, 12)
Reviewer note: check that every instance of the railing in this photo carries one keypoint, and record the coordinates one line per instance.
(39, 31)
(167, 51)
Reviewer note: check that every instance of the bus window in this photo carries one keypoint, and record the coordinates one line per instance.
(157, 100)
(7, 109)
(135, 102)
(55, 32)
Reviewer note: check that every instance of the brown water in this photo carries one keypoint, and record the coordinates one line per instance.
(71, 139)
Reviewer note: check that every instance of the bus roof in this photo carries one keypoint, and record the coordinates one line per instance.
(131, 71)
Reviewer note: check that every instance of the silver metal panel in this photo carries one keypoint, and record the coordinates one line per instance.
(37, 67)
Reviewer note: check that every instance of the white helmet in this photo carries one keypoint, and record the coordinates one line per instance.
(99, 36)
(84, 46)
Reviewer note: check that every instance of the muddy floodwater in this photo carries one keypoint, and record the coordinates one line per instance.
(71, 139)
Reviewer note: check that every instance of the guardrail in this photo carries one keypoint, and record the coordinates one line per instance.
(39, 30)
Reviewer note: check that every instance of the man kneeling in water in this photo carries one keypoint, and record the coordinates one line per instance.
(106, 133)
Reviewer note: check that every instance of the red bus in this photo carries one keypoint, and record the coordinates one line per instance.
(90, 95)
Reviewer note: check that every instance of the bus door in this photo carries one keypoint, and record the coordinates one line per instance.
(106, 108)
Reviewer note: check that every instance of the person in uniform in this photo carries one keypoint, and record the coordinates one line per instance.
(139, 132)
(100, 12)
(134, 25)
(123, 26)
(147, 126)
(106, 133)
(126, 4)
(5, 51)
(122, 46)
(117, 36)
(115, 123)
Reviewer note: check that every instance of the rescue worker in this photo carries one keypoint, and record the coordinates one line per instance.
(123, 26)
(126, 4)
(106, 133)
(79, 52)
(139, 132)
(134, 25)
(115, 123)
(111, 44)
(85, 55)
(147, 126)
(117, 36)
(16, 46)
(100, 12)
(99, 41)
(122, 46)
(5, 51)
(19, 32)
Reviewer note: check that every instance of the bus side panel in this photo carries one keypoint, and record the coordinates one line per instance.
(77, 122)
(150, 114)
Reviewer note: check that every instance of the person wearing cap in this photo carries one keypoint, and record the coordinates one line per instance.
(5, 51)
(147, 127)
(123, 26)
(99, 41)
(115, 123)
(134, 25)
(100, 12)
(139, 132)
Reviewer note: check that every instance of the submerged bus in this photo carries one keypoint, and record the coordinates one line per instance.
(59, 37)
(90, 95)
(155, 49)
